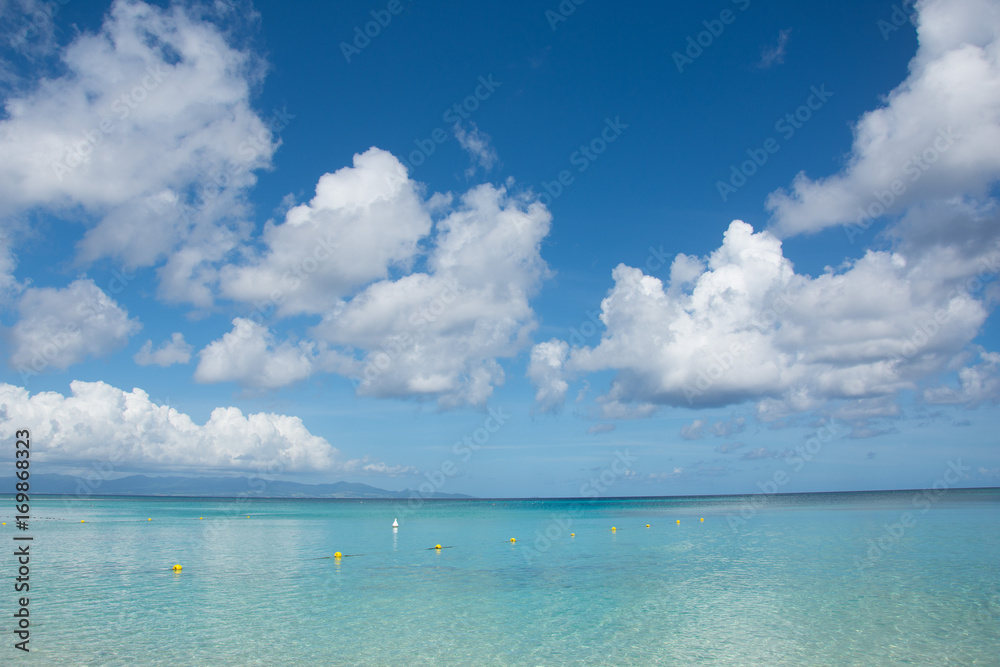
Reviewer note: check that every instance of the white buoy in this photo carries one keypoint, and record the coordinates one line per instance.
(395, 524)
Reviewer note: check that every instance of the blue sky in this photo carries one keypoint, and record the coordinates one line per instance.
(495, 249)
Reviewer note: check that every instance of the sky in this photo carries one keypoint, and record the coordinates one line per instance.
(504, 249)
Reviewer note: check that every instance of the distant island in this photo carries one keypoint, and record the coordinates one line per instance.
(212, 487)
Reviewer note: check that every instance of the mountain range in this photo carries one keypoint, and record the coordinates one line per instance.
(215, 487)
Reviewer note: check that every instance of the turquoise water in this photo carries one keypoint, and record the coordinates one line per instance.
(817, 579)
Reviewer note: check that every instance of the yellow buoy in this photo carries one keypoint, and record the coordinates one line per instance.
(337, 554)
(613, 529)
(82, 521)
(572, 534)
(199, 518)
(177, 568)
(149, 519)
(678, 520)
(702, 520)
(647, 525)
(437, 546)
(513, 540)
(5, 523)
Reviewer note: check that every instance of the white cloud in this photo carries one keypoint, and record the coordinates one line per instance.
(29, 30)
(362, 221)
(748, 328)
(174, 351)
(103, 423)
(249, 355)
(774, 55)
(762, 453)
(9, 286)
(544, 371)
(693, 431)
(722, 428)
(728, 427)
(935, 136)
(660, 476)
(150, 82)
(610, 407)
(438, 334)
(61, 327)
(977, 384)
(433, 332)
(605, 427)
(477, 144)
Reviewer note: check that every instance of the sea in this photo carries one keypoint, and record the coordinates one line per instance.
(875, 578)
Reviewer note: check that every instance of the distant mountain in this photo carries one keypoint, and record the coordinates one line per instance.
(218, 487)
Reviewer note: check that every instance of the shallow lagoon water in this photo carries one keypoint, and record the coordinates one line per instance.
(818, 579)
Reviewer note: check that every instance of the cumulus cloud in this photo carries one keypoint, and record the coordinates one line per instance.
(977, 384)
(748, 328)
(59, 327)
(362, 221)
(606, 427)
(935, 137)
(438, 333)
(150, 82)
(250, 356)
(174, 351)
(439, 288)
(416, 297)
(101, 422)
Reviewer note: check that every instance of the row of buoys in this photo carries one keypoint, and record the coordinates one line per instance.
(615, 530)
(437, 547)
